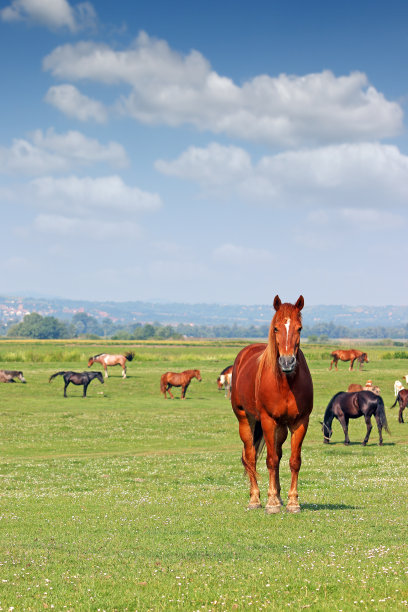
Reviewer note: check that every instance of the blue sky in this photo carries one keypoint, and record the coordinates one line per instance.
(204, 151)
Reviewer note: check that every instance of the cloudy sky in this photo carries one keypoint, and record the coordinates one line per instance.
(204, 151)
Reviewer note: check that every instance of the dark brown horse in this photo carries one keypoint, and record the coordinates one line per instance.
(272, 392)
(111, 360)
(77, 378)
(402, 399)
(181, 379)
(345, 406)
(350, 355)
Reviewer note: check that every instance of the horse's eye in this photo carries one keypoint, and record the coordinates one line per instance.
(300, 329)
(275, 329)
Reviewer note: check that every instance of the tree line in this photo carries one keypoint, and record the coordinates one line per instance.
(84, 325)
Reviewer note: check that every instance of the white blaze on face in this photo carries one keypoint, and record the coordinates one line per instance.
(287, 325)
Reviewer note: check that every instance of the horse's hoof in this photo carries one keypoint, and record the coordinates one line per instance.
(273, 509)
(254, 506)
(293, 508)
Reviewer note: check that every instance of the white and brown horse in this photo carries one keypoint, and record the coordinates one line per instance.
(225, 379)
(111, 360)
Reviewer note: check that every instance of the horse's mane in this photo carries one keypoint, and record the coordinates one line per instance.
(98, 355)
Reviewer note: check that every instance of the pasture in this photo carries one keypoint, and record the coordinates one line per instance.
(126, 501)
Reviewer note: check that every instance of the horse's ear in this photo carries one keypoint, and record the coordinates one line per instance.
(300, 303)
(277, 302)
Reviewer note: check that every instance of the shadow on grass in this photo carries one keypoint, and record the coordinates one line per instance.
(315, 507)
(369, 444)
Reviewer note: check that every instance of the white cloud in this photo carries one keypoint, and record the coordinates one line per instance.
(53, 14)
(71, 102)
(366, 175)
(49, 152)
(169, 88)
(91, 228)
(241, 256)
(85, 196)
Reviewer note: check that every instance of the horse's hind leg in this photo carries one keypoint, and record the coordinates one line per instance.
(168, 391)
(379, 426)
(369, 428)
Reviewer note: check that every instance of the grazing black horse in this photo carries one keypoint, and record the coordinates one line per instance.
(345, 406)
(78, 378)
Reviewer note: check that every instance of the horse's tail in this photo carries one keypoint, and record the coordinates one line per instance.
(129, 355)
(258, 439)
(54, 375)
(163, 384)
(396, 400)
(381, 414)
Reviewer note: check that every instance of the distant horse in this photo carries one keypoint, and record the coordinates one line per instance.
(345, 406)
(367, 387)
(111, 360)
(174, 379)
(402, 399)
(78, 378)
(397, 387)
(224, 380)
(8, 376)
(272, 392)
(350, 355)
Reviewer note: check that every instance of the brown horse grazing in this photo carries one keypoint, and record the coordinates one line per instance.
(272, 392)
(174, 379)
(345, 406)
(77, 378)
(402, 399)
(350, 355)
(8, 376)
(224, 380)
(111, 360)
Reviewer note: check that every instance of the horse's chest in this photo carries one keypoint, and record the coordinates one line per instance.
(280, 404)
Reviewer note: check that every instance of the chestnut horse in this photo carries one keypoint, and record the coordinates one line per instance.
(402, 399)
(272, 392)
(350, 355)
(111, 360)
(174, 379)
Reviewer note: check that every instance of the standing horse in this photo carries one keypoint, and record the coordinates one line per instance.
(345, 406)
(174, 379)
(224, 380)
(402, 399)
(78, 378)
(350, 355)
(111, 360)
(272, 392)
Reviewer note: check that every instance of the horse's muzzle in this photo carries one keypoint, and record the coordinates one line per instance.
(287, 363)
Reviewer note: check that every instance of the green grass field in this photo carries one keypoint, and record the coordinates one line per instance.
(125, 501)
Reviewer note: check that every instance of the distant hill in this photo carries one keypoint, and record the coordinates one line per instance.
(354, 317)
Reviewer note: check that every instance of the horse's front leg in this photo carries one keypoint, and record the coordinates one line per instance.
(124, 372)
(298, 434)
(351, 364)
(369, 428)
(85, 388)
(183, 391)
(105, 367)
(274, 435)
(344, 423)
(65, 388)
(249, 458)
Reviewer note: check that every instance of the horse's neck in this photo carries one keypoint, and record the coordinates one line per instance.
(328, 416)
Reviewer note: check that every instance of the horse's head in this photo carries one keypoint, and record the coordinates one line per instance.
(21, 377)
(90, 361)
(327, 432)
(219, 383)
(363, 358)
(197, 375)
(285, 331)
